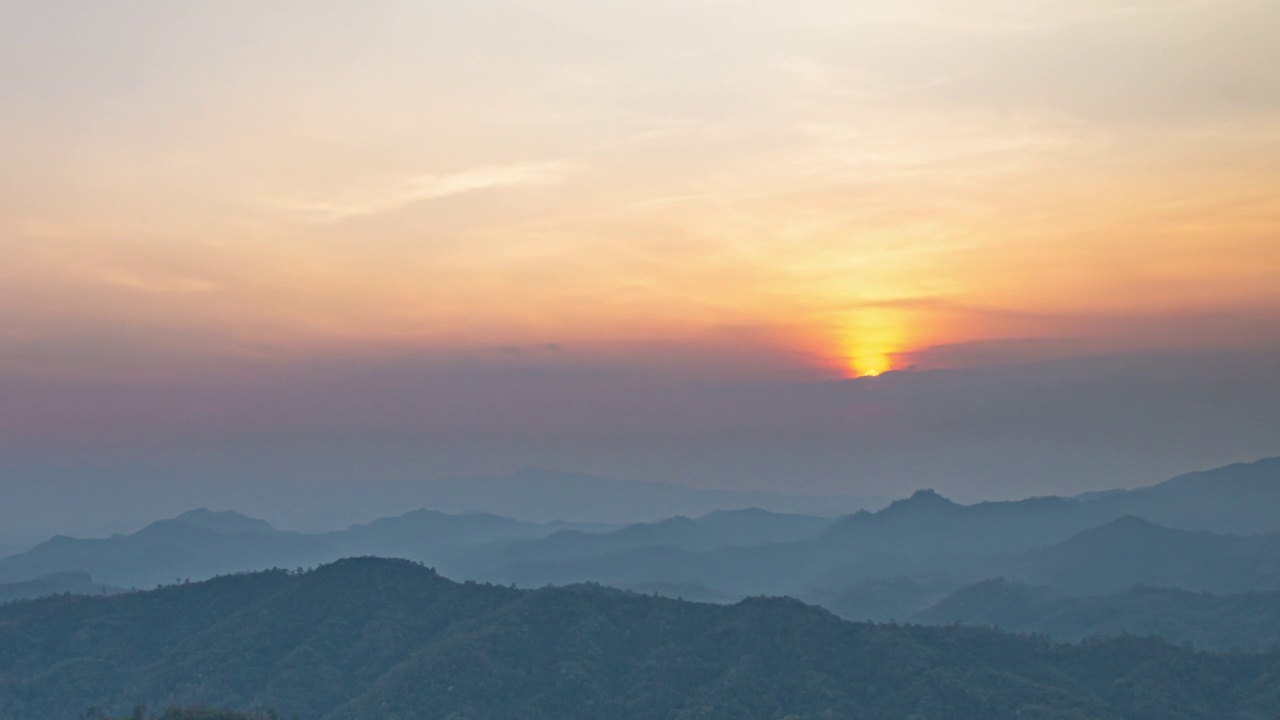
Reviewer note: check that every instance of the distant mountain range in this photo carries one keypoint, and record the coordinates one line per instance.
(1132, 551)
(201, 544)
(31, 497)
(888, 564)
(946, 543)
(1239, 499)
(72, 582)
(544, 496)
(366, 639)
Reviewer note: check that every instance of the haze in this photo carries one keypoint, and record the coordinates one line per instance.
(257, 243)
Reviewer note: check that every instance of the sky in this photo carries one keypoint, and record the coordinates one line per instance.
(646, 239)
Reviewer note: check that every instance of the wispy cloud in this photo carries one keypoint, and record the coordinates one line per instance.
(155, 285)
(388, 194)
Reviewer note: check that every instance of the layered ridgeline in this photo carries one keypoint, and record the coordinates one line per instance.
(890, 564)
(73, 581)
(900, 560)
(201, 544)
(386, 639)
(1242, 621)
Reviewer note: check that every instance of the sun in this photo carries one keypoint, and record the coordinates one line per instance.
(871, 364)
(870, 340)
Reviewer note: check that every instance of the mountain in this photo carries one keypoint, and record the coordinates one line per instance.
(542, 496)
(1132, 551)
(164, 552)
(1239, 499)
(718, 529)
(368, 638)
(200, 544)
(1247, 621)
(78, 583)
(752, 552)
(888, 599)
(899, 560)
(927, 523)
(226, 522)
(890, 563)
(410, 534)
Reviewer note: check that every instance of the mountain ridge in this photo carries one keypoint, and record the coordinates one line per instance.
(367, 638)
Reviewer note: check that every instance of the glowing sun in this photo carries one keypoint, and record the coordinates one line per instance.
(871, 365)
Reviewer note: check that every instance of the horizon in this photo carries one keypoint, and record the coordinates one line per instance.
(707, 501)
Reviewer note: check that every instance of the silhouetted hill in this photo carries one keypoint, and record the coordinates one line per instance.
(722, 528)
(200, 544)
(924, 534)
(383, 639)
(411, 534)
(885, 564)
(226, 522)
(79, 583)
(538, 495)
(1132, 551)
(928, 522)
(165, 551)
(1248, 621)
(899, 560)
(1240, 499)
(887, 599)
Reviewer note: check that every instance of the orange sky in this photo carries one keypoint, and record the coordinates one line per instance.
(847, 185)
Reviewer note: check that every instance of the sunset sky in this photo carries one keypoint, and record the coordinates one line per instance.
(206, 194)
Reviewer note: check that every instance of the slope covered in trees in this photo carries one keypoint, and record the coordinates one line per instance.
(368, 638)
(1248, 621)
(1132, 551)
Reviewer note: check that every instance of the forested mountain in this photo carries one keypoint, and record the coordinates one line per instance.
(923, 535)
(225, 522)
(370, 638)
(200, 544)
(888, 599)
(415, 534)
(1248, 621)
(1132, 551)
(929, 523)
(166, 551)
(927, 546)
(1108, 559)
(1239, 499)
(79, 583)
(722, 528)
(871, 565)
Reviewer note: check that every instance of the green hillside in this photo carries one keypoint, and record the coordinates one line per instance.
(391, 640)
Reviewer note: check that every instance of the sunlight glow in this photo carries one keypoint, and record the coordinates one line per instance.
(871, 365)
(871, 338)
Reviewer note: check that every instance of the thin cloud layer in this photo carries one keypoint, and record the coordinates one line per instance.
(387, 195)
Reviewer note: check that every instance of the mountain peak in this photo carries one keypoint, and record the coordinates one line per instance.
(927, 494)
(926, 499)
(225, 522)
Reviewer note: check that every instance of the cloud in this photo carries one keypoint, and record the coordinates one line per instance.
(389, 194)
(156, 285)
